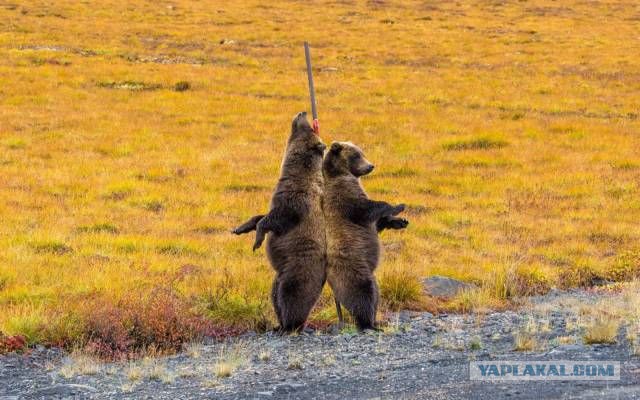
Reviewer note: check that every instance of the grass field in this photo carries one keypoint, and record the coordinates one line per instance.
(135, 135)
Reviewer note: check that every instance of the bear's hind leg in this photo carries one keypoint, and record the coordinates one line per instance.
(362, 303)
(339, 313)
(274, 300)
(296, 298)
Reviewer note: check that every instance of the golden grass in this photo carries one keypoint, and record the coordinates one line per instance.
(134, 372)
(399, 288)
(602, 330)
(512, 140)
(194, 349)
(156, 370)
(79, 363)
(264, 355)
(564, 340)
(230, 358)
(524, 341)
(295, 361)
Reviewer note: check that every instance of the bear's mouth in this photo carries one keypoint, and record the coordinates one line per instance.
(358, 172)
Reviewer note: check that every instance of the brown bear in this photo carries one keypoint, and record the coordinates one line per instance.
(296, 245)
(352, 223)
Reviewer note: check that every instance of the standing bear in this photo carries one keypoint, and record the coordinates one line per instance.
(352, 223)
(296, 244)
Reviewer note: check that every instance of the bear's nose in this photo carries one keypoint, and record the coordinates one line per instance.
(370, 168)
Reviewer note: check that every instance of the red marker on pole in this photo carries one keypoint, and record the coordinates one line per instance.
(312, 92)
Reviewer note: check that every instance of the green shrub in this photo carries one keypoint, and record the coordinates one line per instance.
(480, 143)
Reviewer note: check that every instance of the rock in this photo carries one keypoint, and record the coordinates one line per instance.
(66, 390)
(407, 316)
(288, 387)
(600, 282)
(441, 286)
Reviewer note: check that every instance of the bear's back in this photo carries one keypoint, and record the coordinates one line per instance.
(307, 239)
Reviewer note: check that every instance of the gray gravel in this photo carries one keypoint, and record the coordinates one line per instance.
(420, 356)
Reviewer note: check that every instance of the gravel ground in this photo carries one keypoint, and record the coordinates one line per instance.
(419, 356)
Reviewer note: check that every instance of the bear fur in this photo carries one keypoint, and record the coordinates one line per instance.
(296, 244)
(352, 222)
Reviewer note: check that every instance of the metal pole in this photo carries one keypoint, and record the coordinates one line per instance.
(312, 92)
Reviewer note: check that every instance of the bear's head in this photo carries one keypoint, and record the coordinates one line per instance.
(304, 144)
(345, 158)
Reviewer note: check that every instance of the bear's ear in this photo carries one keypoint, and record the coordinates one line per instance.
(336, 148)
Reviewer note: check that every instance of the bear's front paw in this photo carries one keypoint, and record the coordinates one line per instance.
(399, 223)
(242, 229)
(257, 243)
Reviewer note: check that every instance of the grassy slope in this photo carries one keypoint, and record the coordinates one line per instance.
(509, 128)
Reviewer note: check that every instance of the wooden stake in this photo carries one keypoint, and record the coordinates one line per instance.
(312, 92)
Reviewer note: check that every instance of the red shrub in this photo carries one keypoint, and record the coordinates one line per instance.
(160, 319)
(12, 343)
(106, 329)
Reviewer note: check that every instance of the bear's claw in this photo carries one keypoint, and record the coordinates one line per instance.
(398, 209)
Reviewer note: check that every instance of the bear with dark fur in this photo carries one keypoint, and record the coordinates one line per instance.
(352, 223)
(296, 246)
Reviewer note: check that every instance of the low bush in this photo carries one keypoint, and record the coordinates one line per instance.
(161, 319)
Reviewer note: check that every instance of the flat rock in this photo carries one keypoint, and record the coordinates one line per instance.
(442, 286)
(64, 390)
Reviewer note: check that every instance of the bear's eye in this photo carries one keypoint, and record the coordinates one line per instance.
(354, 157)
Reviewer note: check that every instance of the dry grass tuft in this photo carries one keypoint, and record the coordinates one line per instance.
(223, 369)
(79, 363)
(524, 341)
(134, 371)
(295, 362)
(635, 349)
(566, 339)
(400, 290)
(158, 372)
(194, 349)
(602, 330)
(264, 355)
(230, 359)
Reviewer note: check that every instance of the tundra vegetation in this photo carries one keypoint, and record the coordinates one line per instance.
(134, 135)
